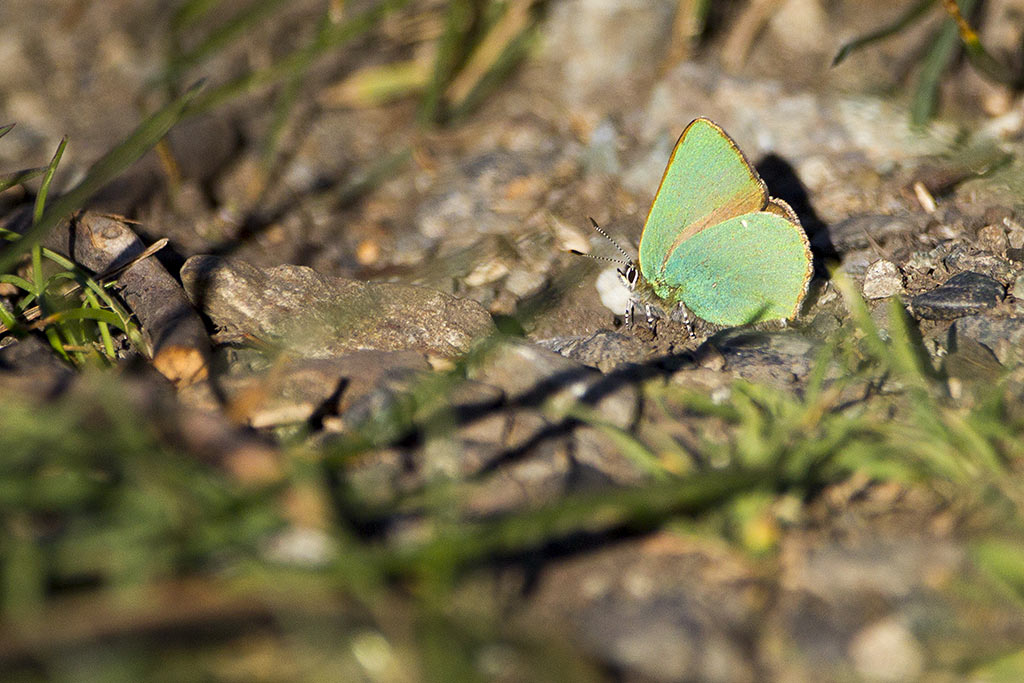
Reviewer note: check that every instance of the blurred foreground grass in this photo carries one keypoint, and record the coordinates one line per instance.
(123, 556)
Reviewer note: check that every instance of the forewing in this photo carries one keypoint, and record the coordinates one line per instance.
(745, 269)
(707, 181)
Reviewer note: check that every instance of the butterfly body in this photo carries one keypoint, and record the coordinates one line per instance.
(715, 243)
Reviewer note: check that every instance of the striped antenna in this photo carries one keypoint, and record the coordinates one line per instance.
(609, 238)
(627, 262)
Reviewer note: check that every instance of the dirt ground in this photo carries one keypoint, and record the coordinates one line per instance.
(427, 447)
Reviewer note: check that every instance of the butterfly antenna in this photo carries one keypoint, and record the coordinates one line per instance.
(608, 237)
(577, 252)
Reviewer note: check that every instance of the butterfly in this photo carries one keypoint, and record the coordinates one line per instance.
(714, 243)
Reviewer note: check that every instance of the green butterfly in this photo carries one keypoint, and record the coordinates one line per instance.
(714, 243)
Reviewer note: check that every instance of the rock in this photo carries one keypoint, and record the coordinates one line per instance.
(604, 350)
(972, 362)
(657, 609)
(962, 257)
(530, 374)
(776, 358)
(318, 316)
(882, 280)
(992, 238)
(614, 293)
(295, 389)
(887, 651)
(961, 295)
(1004, 336)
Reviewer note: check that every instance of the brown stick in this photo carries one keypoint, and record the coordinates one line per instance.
(102, 243)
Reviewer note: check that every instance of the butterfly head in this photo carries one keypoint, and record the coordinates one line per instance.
(630, 276)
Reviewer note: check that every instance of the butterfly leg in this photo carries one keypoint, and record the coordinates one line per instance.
(652, 318)
(682, 314)
(627, 316)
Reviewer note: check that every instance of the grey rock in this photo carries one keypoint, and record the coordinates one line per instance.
(294, 389)
(318, 316)
(964, 258)
(530, 375)
(1003, 336)
(604, 349)
(992, 238)
(882, 280)
(777, 358)
(961, 295)
(887, 651)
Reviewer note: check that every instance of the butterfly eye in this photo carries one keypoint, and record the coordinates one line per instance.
(630, 275)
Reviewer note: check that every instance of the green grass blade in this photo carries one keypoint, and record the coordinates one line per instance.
(17, 281)
(97, 314)
(232, 30)
(906, 19)
(191, 12)
(103, 326)
(451, 48)
(147, 134)
(514, 53)
(635, 508)
(329, 37)
(18, 177)
(8, 321)
(5, 129)
(44, 188)
(939, 58)
(630, 447)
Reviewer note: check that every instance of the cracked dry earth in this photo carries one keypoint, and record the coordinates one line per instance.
(322, 311)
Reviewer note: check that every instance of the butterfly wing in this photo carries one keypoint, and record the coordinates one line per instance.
(707, 181)
(745, 269)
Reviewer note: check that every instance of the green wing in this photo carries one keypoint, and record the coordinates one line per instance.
(746, 269)
(707, 181)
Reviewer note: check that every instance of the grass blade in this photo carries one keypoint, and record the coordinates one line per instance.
(979, 57)
(232, 30)
(330, 36)
(909, 17)
(18, 177)
(147, 134)
(451, 47)
(44, 189)
(939, 58)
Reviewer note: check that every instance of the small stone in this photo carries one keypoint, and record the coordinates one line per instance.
(1015, 254)
(993, 238)
(887, 651)
(1004, 336)
(1018, 288)
(963, 258)
(604, 349)
(963, 294)
(882, 279)
(614, 293)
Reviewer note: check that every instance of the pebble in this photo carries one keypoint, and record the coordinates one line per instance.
(992, 238)
(1004, 336)
(887, 651)
(963, 294)
(963, 258)
(882, 279)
